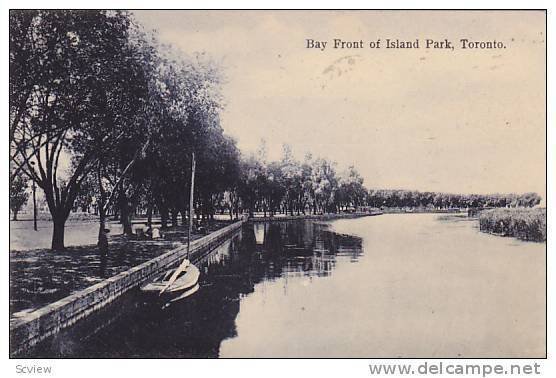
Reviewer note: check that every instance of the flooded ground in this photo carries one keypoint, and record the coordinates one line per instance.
(413, 285)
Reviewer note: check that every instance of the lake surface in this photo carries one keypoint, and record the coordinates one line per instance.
(400, 285)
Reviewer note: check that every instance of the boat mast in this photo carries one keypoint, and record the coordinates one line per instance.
(191, 212)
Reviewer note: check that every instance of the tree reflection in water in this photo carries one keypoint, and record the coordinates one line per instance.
(196, 327)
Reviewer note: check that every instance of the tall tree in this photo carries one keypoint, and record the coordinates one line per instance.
(87, 87)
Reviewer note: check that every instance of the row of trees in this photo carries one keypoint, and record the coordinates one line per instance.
(103, 114)
(99, 109)
(297, 187)
(414, 199)
(314, 185)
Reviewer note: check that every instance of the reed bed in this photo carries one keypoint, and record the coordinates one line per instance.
(522, 223)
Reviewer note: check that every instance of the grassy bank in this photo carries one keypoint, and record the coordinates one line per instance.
(522, 223)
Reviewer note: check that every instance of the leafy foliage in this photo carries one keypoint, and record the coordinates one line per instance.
(77, 86)
(412, 199)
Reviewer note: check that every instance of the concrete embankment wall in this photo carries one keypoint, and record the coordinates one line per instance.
(46, 321)
(313, 217)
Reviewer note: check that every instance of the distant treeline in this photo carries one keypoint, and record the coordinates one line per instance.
(525, 224)
(413, 199)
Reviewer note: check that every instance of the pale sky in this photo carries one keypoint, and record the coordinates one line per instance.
(461, 121)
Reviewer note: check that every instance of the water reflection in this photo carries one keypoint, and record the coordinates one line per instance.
(423, 287)
(196, 327)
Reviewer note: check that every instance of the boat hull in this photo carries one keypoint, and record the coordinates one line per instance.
(181, 288)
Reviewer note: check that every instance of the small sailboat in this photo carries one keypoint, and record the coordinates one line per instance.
(178, 284)
(175, 285)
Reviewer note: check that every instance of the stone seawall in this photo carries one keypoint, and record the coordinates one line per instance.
(36, 326)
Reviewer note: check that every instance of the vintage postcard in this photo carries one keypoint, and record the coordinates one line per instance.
(278, 184)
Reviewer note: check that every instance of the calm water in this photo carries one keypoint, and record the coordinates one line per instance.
(415, 285)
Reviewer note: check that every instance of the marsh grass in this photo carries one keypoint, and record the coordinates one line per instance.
(522, 223)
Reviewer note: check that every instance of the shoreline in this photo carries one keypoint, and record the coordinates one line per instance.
(320, 217)
(33, 327)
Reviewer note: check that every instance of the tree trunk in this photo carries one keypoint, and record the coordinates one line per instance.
(102, 242)
(149, 215)
(125, 214)
(102, 238)
(59, 222)
(164, 216)
(126, 220)
(174, 218)
(184, 218)
(15, 216)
